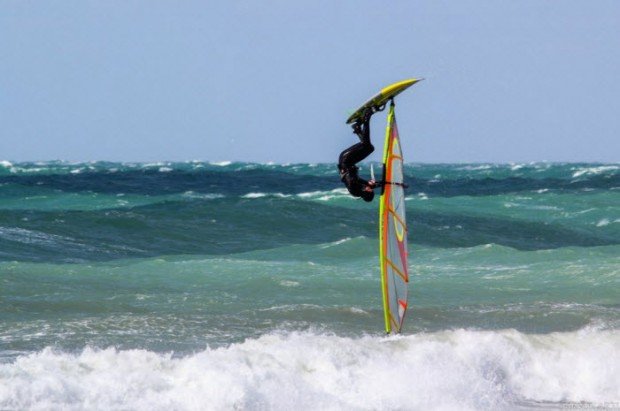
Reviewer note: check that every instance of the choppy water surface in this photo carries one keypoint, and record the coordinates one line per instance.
(234, 285)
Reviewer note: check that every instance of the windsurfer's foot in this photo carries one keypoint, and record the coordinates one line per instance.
(357, 128)
(367, 113)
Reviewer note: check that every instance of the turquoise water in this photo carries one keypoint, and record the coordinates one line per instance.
(255, 286)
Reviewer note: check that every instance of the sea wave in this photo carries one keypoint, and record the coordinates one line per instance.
(610, 169)
(459, 369)
(25, 236)
(221, 163)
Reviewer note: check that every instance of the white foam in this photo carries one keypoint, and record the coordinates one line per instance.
(594, 170)
(5, 163)
(450, 370)
(335, 243)
(149, 165)
(288, 283)
(204, 196)
(220, 163)
(325, 195)
(603, 222)
(32, 170)
(418, 196)
(254, 195)
(261, 195)
(476, 167)
(25, 236)
(606, 221)
(357, 310)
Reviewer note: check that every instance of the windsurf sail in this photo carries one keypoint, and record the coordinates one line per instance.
(393, 230)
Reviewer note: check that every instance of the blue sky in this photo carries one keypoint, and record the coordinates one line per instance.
(506, 81)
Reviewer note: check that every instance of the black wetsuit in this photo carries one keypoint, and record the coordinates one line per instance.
(353, 155)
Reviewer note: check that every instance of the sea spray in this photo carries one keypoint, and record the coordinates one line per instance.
(457, 369)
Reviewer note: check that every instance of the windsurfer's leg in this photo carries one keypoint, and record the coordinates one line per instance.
(362, 126)
(357, 152)
(365, 134)
(343, 160)
(354, 154)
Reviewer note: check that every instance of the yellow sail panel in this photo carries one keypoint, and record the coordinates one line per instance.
(393, 231)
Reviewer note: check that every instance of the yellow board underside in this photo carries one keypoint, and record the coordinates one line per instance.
(396, 88)
(383, 96)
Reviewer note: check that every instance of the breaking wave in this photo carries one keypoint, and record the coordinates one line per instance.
(460, 369)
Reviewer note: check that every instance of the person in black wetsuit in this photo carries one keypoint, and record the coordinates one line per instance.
(348, 159)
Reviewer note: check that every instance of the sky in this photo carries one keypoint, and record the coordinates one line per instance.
(275, 80)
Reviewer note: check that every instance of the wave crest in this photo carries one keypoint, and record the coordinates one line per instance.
(459, 369)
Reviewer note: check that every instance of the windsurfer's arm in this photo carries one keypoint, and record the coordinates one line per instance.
(375, 184)
(371, 185)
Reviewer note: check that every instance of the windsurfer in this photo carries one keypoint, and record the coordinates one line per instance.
(348, 159)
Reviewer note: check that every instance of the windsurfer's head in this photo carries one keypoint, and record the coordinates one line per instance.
(368, 195)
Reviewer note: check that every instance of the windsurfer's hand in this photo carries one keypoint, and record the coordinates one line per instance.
(370, 186)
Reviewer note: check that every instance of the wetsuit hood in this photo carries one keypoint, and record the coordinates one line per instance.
(368, 195)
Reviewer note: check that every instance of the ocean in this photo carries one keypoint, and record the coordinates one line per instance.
(197, 285)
